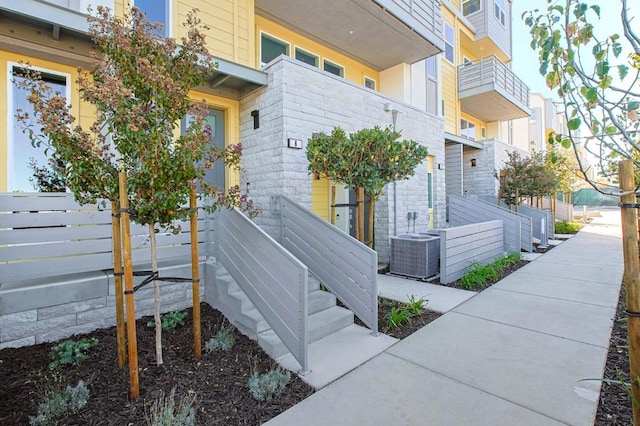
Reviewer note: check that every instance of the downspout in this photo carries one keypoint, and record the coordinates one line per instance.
(394, 116)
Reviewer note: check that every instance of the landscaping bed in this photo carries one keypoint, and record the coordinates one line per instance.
(615, 405)
(218, 380)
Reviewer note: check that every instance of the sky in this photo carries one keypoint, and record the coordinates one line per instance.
(525, 60)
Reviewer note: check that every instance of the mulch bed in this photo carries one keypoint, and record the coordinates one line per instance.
(218, 380)
(615, 405)
(417, 321)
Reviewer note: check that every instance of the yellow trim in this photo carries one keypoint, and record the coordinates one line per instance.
(320, 196)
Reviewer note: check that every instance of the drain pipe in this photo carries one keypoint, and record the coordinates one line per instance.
(394, 117)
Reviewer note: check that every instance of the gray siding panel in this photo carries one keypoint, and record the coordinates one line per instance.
(273, 279)
(453, 169)
(462, 245)
(346, 266)
(517, 228)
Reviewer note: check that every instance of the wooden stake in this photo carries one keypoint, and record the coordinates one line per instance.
(195, 274)
(360, 212)
(128, 282)
(370, 237)
(117, 273)
(333, 204)
(631, 278)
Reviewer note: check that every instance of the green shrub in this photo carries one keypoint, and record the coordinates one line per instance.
(58, 403)
(398, 316)
(480, 276)
(223, 340)
(70, 352)
(170, 321)
(568, 227)
(165, 412)
(267, 386)
(416, 306)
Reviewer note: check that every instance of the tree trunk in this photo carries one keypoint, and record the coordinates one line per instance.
(371, 206)
(132, 341)
(117, 273)
(631, 279)
(360, 220)
(156, 296)
(195, 274)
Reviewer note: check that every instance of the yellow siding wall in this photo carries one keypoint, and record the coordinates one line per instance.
(320, 189)
(231, 25)
(353, 70)
(450, 80)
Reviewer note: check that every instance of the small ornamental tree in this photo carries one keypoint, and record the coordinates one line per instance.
(140, 88)
(526, 177)
(368, 159)
(595, 76)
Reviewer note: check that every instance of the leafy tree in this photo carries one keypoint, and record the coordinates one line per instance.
(596, 77)
(368, 158)
(140, 88)
(524, 177)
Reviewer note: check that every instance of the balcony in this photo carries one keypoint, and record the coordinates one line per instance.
(378, 33)
(489, 90)
(492, 31)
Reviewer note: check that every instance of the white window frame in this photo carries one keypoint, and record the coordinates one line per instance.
(306, 52)
(335, 64)
(262, 64)
(373, 80)
(168, 28)
(452, 43)
(469, 1)
(500, 11)
(11, 111)
(469, 125)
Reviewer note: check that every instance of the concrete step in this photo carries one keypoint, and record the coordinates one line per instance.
(321, 324)
(337, 354)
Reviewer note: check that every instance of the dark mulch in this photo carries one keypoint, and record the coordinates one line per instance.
(218, 380)
(615, 405)
(417, 321)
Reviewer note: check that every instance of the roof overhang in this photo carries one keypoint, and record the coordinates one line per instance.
(378, 33)
(42, 29)
(450, 137)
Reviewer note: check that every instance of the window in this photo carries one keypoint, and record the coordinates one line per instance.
(369, 83)
(432, 86)
(307, 58)
(271, 48)
(467, 129)
(470, 6)
(156, 11)
(20, 150)
(333, 68)
(499, 7)
(466, 61)
(448, 42)
(483, 132)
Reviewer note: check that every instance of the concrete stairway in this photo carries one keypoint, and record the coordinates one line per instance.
(325, 318)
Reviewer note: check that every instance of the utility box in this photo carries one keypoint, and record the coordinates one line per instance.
(415, 255)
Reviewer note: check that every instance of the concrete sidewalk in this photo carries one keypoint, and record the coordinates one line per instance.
(512, 355)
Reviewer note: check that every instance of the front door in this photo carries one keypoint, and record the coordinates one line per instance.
(216, 176)
(367, 205)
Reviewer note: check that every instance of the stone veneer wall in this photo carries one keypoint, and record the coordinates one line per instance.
(300, 100)
(482, 179)
(34, 313)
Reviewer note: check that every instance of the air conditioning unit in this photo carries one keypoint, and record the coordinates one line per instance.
(415, 255)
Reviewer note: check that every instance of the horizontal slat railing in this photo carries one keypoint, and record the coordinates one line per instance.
(517, 228)
(461, 245)
(491, 70)
(273, 279)
(346, 266)
(535, 214)
(50, 234)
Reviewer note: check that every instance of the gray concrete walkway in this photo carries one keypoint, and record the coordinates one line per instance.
(514, 354)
